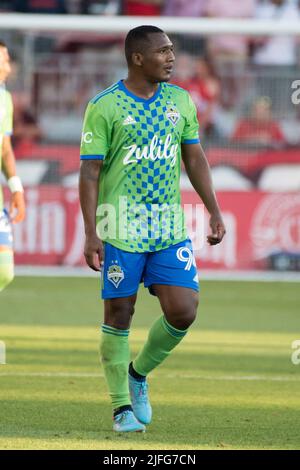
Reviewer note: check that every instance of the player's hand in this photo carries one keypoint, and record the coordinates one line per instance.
(17, 207)
(93, 252)
(217, 230)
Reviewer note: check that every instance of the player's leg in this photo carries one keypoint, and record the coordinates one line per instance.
(114, 349)
(179, 306)
(6, 251)
(115, 357)
(172, 276)
(121, 276)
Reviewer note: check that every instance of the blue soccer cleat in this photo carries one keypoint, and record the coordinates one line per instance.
(139, 400)
(127, 422)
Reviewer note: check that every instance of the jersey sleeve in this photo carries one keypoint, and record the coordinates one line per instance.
(8, 119)
(96, 133)
(190, 133)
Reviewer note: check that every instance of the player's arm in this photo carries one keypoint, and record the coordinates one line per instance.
(94, 147)
(198, 171)
(17, 203)
(88, 194)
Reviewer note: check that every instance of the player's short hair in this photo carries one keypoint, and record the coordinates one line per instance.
(2, 43)
(137, 40)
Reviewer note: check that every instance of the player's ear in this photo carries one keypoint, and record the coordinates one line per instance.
(137, 59)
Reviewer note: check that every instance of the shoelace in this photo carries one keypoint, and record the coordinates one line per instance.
(122, 416)
(143, 391)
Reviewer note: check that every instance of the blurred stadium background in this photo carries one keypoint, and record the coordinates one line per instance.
(242, 84)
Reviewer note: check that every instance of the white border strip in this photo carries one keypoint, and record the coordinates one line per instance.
(253, 276)
(210, 275)
(121, 24)
(55, 271)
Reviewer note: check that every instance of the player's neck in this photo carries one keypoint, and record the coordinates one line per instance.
(140, 86)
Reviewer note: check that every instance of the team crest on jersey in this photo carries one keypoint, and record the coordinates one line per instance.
(173, 114)
(115, 274)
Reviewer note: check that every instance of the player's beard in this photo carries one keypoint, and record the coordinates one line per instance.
(163, 80)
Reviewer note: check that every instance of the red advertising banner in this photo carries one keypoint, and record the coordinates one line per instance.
(258, 226)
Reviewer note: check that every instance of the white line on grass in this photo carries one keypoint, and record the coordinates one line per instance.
(237, 378)
(211, 275)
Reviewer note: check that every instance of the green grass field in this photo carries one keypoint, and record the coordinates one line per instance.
(230, 385)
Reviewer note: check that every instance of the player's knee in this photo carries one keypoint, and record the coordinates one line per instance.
(120, 316)
(6, 276)
(184, 313)
(184, 319)
(190, 318)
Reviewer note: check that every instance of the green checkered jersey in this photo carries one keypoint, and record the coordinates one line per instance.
(6, 124)
(139, 141)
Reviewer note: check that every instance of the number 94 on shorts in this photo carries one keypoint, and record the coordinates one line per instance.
(123, 271)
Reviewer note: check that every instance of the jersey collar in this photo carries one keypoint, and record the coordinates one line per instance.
(138, 98)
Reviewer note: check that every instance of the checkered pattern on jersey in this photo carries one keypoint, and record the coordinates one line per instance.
(151, 186)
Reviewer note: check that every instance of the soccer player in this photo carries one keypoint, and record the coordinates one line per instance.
(134, 135)
(17, 205)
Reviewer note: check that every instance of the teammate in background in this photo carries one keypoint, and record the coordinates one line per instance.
(17, 205)
(134, 135)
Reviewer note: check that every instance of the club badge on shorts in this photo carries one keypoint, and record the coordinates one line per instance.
(115, 274)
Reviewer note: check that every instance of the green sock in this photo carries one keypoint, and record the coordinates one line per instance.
(6, 268)
(115, 357)
(162, 338)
